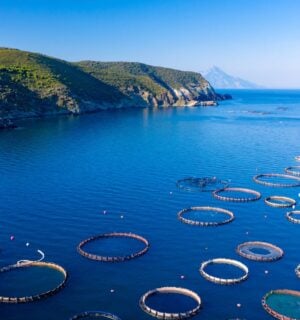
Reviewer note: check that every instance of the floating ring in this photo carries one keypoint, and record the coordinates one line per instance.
(205, 223)
(274, 313)
(297, 270)
(113, 258)
(201, 184)
(245, 250)
(95, 314)
(291, 170)
(167, 315)
(256, 195)
(285, 202)
(280, 175)
(224, 280)
(292, 219)
(40, 295)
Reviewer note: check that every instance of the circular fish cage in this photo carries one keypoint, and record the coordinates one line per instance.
(258, 179)
(291, 216)
(280, 202)
(293, 170)
(39, 296)
(169, 315)
(224, 281)
(297, 270)
(247, 250)
(255, 195)
(95, 314)
(275, 307)
(204, 184)
(205, 223)
(113, 258)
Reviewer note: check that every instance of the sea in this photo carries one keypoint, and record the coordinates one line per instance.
(65, 179)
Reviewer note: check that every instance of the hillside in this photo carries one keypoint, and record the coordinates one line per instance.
(157, 86)
(222, 80)
(35, 85)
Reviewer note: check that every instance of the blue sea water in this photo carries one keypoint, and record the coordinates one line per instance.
(58, 175)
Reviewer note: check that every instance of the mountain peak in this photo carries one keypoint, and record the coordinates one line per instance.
(218, 78)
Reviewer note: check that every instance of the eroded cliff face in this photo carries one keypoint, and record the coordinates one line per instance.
(192, 95)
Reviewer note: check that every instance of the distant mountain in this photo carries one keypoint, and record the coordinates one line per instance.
(35, 85)
(221, 80)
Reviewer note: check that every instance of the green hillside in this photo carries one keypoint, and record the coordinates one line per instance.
(155, 80)
(35, 85)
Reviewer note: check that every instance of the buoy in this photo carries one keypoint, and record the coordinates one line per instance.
(12, 237)
(293, 207)
(104, 211)
(238, 305)
(182, 277)
(265, 216)
(171, 192)
(299, 195)
(112, 290)
(206, 248)
(121, 217)
(27, 244)
(266, 271)
(247, 232)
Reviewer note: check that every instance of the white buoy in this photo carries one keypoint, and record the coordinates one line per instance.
(27, 244)
(104, 211)
(247, 232)
(293, 207)
(171, 192)
(121, 217)
(238, 305)
(265, 216)
(266, 271)
(206, 248)
(182, 277)
(112, 290)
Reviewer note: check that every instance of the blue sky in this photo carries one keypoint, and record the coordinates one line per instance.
(255, 39)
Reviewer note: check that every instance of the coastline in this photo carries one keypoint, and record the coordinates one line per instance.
(11, 121)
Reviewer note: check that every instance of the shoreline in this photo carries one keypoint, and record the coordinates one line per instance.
(10, 123)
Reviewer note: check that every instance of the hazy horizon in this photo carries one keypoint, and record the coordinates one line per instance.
(252, 40)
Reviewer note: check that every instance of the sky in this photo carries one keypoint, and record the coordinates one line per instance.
(258, 40)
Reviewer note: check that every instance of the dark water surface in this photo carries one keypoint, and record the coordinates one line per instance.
(59, 175)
